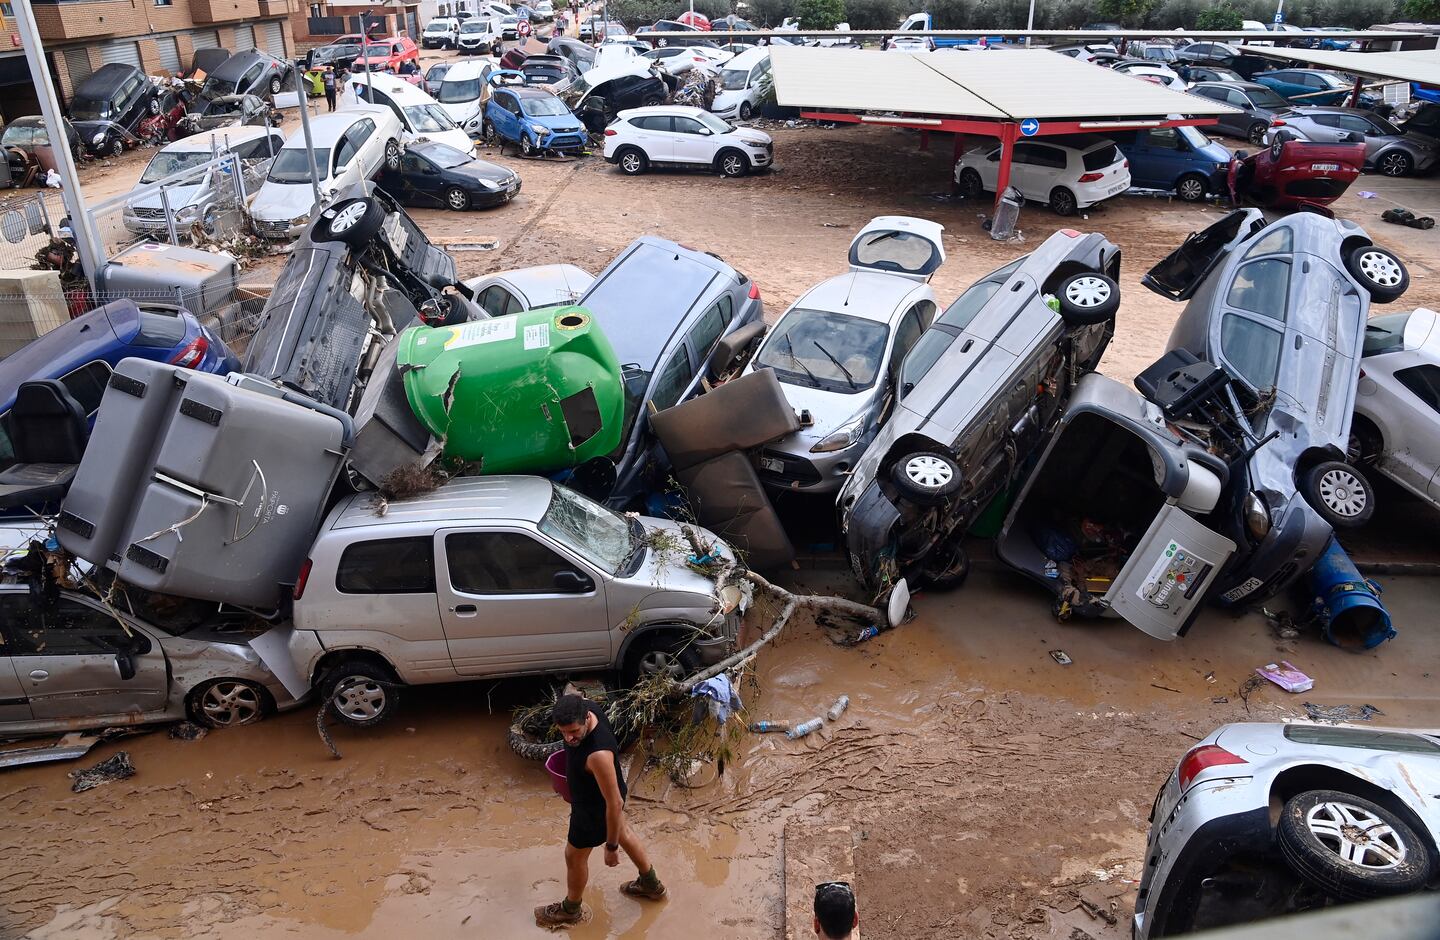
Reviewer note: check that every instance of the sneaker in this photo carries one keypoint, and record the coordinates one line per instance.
(554, 915)
(638, 889)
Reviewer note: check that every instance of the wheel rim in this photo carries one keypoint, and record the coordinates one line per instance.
(732, 165)
(1357, 836)
(1191, 189)
(631, 163)
(525, 146)
(745, 111)
(970, 183)
(359, 698)
(457, 199)
(1063, 203)
(1087, 292)
(1394, 164)
(346, 218)
(230, 703)
(1342, 492)
(658, 662)
(1379, 268)
(929, 472)
(117, 148)
(1257, 134)
(392, 156)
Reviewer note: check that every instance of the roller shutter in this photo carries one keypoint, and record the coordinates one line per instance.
(244, 38)
(77, 63)
(273, 38)
(126, 53)
(205, 39)
(169, 51)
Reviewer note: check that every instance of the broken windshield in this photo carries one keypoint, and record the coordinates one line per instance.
(599, 535)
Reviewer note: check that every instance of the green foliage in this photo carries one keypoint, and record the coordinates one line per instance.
(1423, 11)
(1124, 12)
(1221, 16)
(820, 14)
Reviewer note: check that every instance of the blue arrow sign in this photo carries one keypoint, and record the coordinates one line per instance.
(1029, 127)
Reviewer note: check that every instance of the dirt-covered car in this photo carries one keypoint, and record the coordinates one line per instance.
(977, 394)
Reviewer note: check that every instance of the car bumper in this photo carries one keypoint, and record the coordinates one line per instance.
(810, 472)
(1091, 194)
(1295, 540)
(488, 198)
(281, 229)
(563, 143)
(760, 157)
(139, 226)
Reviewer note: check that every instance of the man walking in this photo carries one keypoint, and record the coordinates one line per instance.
(597, 811)
(329, 80)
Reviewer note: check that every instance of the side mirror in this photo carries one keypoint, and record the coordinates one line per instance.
(125, 664)
(706, 132)
(572, 582)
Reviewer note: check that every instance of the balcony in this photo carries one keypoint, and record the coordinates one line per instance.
(84, 20)
(223, 11)
(276, 7)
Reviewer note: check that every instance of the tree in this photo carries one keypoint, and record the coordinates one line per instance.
(820, 14)
(1422, 11)
(1221, 16)
(1123, 11)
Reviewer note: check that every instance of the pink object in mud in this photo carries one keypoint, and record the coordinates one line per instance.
(555, 766)
(1286, 677)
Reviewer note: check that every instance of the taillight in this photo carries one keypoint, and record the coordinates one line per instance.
(1203, 758)
(609, 132)
(300, 581)
(1069, 233)
(192, 354)
(754, 291)
(1092, 177)
(1276, 122)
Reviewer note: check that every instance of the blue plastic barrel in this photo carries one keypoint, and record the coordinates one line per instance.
(1348, 604)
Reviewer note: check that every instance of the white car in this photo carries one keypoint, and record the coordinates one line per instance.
(545, 285)
(464, 91)
(744, 82)
(1397, 405)
(911, 44)
(544, 9)
(421, 116)
(478, 36)
(440, 32)
(350, 147)
(1067, 173)
(713, 53)
(677, 135)
(837, 351)
(1163, 73)
(201, 199)
(676, 60)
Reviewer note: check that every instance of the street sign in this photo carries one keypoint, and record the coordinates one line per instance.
(1029, 127)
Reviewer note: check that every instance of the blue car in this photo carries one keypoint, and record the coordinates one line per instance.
(533, 119)
(1311, 86)
(82, 352)
(1179, 159)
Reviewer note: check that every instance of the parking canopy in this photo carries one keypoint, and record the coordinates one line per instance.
(1421, 65)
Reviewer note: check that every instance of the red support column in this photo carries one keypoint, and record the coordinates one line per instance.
(1355, 92)
(1009, 133)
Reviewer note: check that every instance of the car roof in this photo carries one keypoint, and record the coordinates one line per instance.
(101, 82)
(459, 501)
(468, 70)
(682, 110)
(329, 128)
(395, 87)
(68, 347)
(224, 136)
(527, 91)
(1081, 143)
(234, 66)
(748, 59)
(868, 295)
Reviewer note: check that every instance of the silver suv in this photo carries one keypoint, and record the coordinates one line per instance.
(498, 576)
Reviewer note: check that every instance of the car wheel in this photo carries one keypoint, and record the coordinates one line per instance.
(652, 101)
(117, 147)
(1062, 201)
(1365, 444)
(227, 703)
(1350, 847)
(746, 110)
(1256, 134)
(527, 149)
(1381, 273)
(1340, 493)
(660, 654)
(662, 42)
(925, 477)
(633, 162)
(1395, 163)
(276, 85)
(1087, 297)
(733, 163)
(971, 186)
(946, 567)
(1191, 188)
(457, 199)
(360, 693)
(154, 106)
(1277, 147)
(489, 135)
(354, 221)
(392, 155)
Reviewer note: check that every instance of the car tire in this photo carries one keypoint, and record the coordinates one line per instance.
(1314, 837)
(360, 693)
(489, 134)
(652, 101)
(1366, 443)
(116, 148)
(925, 477)
(632, 161)
(276, 85)
(354, 222)
(527, 149)
(457, 199)
(392, 155)
(1256, 134)
(746, 111)
(1087, 297)
(662, 653)
(1277, 147)
(528, 746)
(946, 567)
(227, 703)
(1340, 493)
(1062, 201)
(1191, 188)
(1395, 163)
(732, 163)
(971, 186)
(1382, 274)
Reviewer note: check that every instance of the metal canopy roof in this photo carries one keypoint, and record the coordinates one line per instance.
(1421, 65)
(1008, 85)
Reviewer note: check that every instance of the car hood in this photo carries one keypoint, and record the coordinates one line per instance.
(455, 137)
(560, 123)
(827, 409)
(179, 197)
(663, 578)
(462, 111)
(750, 136)
(480, 170)
(276, 202)
(88, 129)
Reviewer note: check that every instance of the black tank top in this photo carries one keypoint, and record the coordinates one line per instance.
(584, 790)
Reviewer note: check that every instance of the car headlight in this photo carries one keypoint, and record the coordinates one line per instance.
(489, 184)
(842, 437)
(300, 219)
(1257, 517)
(540, 129)
(98, 139)
(187, 214)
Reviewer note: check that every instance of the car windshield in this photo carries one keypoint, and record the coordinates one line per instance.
(327, 54)
(382, 52)
(1194, 136)
(289, 165)
(90, 109)
(587, 528)
(1385, 333)
(821, 349)
(713, 122)
(1263, 97)
(445, 156)
(230, 105)
(163, 164)
(475, 26)
(219, 88)
(437, 26)
(548, 106)
(454, 91)
(429, 118)
(733, 79)
(1385, 126)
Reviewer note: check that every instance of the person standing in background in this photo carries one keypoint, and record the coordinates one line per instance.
(329, 79)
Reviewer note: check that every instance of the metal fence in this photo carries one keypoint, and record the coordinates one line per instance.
(326, 25)
(26, 224)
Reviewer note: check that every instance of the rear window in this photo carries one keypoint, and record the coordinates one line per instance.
(160, 329)
(1384, 334)
(1361, 738)
(387, 566)
(1102, 158)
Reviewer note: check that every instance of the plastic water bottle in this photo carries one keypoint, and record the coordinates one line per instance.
(838, 709)
(866, 634)
(805, 727)
(766, 727)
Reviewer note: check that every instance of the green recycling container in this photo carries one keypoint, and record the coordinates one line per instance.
(534, 392)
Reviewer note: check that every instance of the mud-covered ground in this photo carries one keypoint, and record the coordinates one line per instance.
(975, 787)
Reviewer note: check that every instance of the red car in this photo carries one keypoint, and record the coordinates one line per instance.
(697, 20)
(1296, 174)
(389, 54)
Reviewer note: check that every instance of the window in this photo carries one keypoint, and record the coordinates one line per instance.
(1262, 287)
(1163, 138)
(361, 132)
(387, 566)
(1385, 334)
(1424, 381)
(1351, 122)
(69, 629)
(927, 350)
(1361, 738)
(501, 563)
(653, 123)
(344, 153)
(499, 302)
(685, 125)
(706, 331)
(1274, 243)
(674, 379)
(159, 329)
(906, 333)
(87, 384)
(1048, 157)
(963, 310)
(1251, 349)
(1100, 158)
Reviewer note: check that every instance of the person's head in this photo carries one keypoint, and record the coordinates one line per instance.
(571, 716)
(835, 915)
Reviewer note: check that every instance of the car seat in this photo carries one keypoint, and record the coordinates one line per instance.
(48, 431)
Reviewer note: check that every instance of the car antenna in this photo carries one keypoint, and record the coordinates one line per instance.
(849, 290)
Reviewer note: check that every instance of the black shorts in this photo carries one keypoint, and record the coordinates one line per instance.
(587, 826)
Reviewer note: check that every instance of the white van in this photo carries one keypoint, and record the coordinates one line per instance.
(440, 32)
(464, 91)
(744, 81)
(421, 116)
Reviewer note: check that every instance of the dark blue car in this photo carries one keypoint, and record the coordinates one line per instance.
(82, 352)
(1179, 159)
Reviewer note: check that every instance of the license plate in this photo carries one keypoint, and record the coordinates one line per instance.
(771, 464)
(1331, 167)
(1118, 188)
(1235, 593)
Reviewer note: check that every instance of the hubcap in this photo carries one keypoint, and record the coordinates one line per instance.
(457, 200)
(659, 661)
(732, 165)
(346, 218)
(230, 703)
(359, 698)
(1342, 492)
(1087, 292)
(1063, 202)
(1356, 835)
(1191, 189)
(929, 472)
(632, 162)
(1380, 268)
(1393, 165)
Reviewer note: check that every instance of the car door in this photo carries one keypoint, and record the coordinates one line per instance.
(652, 134)
(68, 660)
(1044, 170)
(1419, 412)
(1167, 157)
(509, 606)
(505, 114)
(693, 141)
